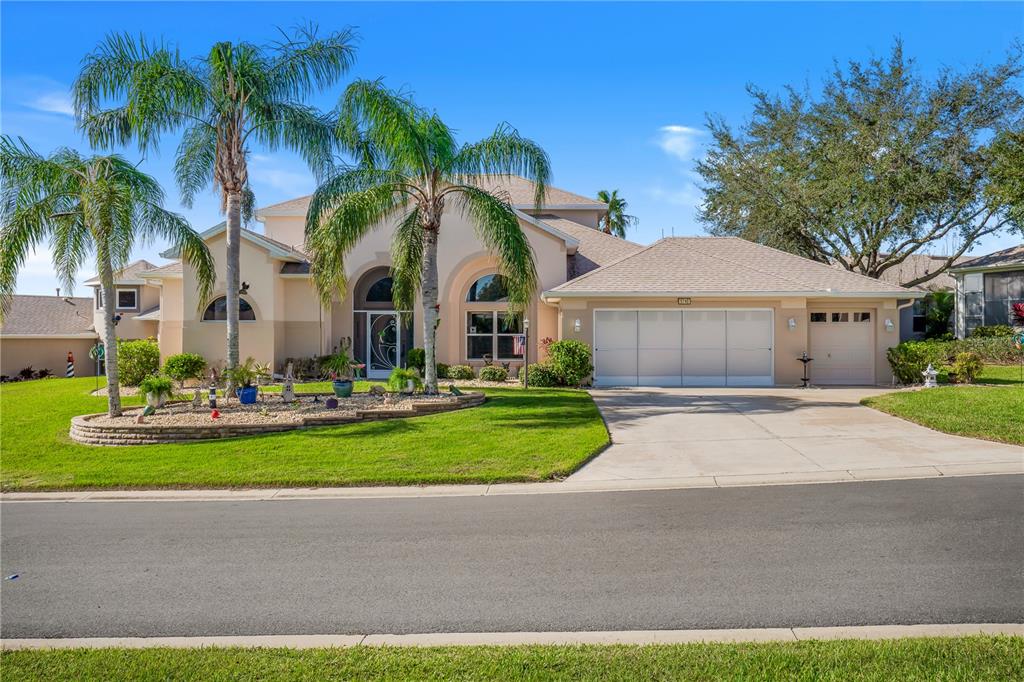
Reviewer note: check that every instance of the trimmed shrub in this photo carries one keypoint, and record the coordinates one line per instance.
(994, 330)
(416, 358)
(995, 350)
(184, 366)
(493, 373)
(137, 360)
(442, 371)
(541, 375)
(966, 368)
(400, 378)
(910, 358)
(157, 385)
(460, 372)
(570, 361)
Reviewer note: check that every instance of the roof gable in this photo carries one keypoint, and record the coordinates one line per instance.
(275, 248)
(1010, 257)
(48, 316)
(129, 274)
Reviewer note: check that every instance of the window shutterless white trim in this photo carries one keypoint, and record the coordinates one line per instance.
(494, 334)
(725, 379)
(117, 296)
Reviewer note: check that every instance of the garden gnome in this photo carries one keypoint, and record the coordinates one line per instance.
(288, 391)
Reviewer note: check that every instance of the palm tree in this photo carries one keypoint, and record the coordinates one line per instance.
(237, 94)
(100, 204)
(411, 169)
(615, 219)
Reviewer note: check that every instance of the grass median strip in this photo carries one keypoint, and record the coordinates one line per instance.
(956, 658)
(515, 436)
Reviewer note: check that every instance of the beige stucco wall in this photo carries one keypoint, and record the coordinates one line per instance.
(788, 344)
(130, 328)
(18, 353)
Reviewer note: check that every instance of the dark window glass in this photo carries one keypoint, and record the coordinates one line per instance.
(507, 324)
(819, 317)
(919, 324)
(488, 289)
(126, 298)
(506, 346)
(840, 317)
(479, 346)
(218, 310)
(481, 323)
(862, 317)
(380, 291)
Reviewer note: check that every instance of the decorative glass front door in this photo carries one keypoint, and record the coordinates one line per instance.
(383, 343)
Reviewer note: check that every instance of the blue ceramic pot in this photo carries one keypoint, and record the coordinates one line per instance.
(246, 395)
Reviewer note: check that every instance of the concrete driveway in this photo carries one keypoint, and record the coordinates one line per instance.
(740, 436)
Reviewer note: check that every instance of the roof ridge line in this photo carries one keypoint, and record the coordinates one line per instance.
(810, 287)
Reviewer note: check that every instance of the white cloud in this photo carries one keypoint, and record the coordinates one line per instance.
(679, 141)
(52, 103)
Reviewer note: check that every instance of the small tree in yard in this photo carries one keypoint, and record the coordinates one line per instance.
(881, 166)
(412, 168)
(82, 205)
(184, 366)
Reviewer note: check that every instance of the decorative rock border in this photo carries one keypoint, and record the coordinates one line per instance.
(83, 431)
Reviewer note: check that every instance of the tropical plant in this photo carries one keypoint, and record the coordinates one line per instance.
(157, 385)
(939, 307)
(417, 359)
(236, 95)
(137, 359)
(463, 372)
(966, 367)
(881, 165)
(493, 373)
(338, 366)
(398, 381)
(410, 169)
(82, 205)
(244, 374)
(570, 361)
(910, 358)
(615, 219)
(184, 366)
(992, 330)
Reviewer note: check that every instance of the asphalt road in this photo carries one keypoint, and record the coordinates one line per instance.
(925, 551)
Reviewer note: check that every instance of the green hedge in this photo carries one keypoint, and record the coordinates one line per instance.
(910, 358)
(137, 360)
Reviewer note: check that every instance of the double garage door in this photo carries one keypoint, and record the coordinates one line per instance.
(683, 348)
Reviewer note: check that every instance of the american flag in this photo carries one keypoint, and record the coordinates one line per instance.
(518, 344)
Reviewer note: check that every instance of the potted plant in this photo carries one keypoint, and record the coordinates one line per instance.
(339, 367)
(157, 390)
(244, 376)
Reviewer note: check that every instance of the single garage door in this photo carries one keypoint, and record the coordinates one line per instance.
(842, 345)
(683, 348)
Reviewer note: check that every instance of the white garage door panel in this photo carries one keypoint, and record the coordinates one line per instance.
(615, 348)
(688, 348)
(660, 338)
(749, 342)
(704, 352)
(842, 351)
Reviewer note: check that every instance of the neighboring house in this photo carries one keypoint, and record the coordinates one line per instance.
(137, 304)
(987, 287)
(702, 310)
(40, 331)
(912, 318)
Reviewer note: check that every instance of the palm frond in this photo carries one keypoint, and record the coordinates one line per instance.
(300, 128)
(505, 152)
(305, 63)
(407, 260)
(195, 160)
(389, 123)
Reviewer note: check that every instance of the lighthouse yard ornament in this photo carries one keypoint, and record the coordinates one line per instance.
(70, 373)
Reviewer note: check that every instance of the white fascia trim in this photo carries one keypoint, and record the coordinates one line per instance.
(563, 207)
(907, 293)
(571, 243)
(985, 268)
(274, 250)
(83, 335)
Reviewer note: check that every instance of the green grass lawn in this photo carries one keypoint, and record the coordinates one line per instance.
(516, 435)
(966, 658)
(991, 374)
(988, 412)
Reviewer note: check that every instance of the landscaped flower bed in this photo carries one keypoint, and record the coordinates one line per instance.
(182, 422)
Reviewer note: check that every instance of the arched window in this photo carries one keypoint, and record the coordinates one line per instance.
(218, 310)
(380, 291)
(488, 289)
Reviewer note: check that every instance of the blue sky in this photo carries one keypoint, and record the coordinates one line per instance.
(616, 93)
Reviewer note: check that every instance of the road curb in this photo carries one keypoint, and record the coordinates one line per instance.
(476, 490)
(636, 637)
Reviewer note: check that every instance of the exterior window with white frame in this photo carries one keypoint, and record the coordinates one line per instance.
(491, 335)
(127, 299)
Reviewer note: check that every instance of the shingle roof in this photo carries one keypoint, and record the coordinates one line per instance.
(920, 264)
(722, 266)
(129, 273)
(520, 192)
(595, 247)
(171, 269)
(1011, 256)
(48, 316)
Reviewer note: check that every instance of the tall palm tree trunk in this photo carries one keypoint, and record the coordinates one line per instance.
(109, 332)
(234, 235)
(430, 312)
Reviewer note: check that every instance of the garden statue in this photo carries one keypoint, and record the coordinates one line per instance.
(288, 390)
(929, 377)
(213, 390)
(197, 399)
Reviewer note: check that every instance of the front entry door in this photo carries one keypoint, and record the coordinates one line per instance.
(383, 342)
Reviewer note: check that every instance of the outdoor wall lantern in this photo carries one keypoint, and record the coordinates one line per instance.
(791, 323)
(889, 326)
(576, 325)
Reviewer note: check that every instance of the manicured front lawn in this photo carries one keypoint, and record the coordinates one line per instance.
(965, 658)
(516, 435)
(989, 412)
(991, 374)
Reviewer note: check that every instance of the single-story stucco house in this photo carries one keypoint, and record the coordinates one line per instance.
(686, 311)
(40, 331)
(986, 289)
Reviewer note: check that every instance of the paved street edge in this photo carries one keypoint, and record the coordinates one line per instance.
(529, 638)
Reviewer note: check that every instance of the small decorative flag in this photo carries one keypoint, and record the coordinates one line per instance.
(518, 344)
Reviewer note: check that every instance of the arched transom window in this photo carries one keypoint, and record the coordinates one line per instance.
(217, 311)
(488, 289)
